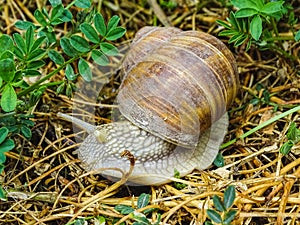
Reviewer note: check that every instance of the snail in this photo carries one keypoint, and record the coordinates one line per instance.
(175, 93)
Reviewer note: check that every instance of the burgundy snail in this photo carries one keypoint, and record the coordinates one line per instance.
(176, 89)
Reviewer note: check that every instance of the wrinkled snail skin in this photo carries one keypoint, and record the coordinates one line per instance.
(176, 89)
(155, 159)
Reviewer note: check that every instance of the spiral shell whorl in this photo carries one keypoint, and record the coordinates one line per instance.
(177, 83)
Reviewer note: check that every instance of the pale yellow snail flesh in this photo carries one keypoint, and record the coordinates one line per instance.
(176, 90)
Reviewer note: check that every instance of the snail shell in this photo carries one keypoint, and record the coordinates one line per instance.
(176, 89)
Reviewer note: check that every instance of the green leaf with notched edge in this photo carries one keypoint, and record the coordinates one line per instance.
(100, 24)
(112, 23)
(214, 216)
(245, 13)
(286, 147)
(124, 209)
(84, 70)
(84, 4)
(229, 196)
(90, 32)
(79, 43)
(109, 49)
(24, 25)
(9, 98)
(56, 57)
(229, 216)
(70, 73)
(115, 33)
(218, 203)
(39, 16)
(100, 58)
(143, 200)
(67, 47)
(256, 27)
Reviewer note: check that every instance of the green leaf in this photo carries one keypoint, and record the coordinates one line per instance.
(218, 203)
(3, 134)
(143, 200)
(56, 12)
(252, 4)
(35, 64)
(24, 25)
(85, 4)
(31, 73)
(297, 36)
(100, 24)
(272, 7)
(229, 196)
(100, 58)
(224, 24)
(26, 132)
(109, 49)
(245, 13)
(124, 209)
(37, 43)
(219, 160)
(7, 55)
(112, 23)
(56, 57)
(115, 33)
(2, 192)
(70, 73)
(29, 38)
(214, 216)
(1, 81)
(228, 33)
(40, 17)
(66, 16)
(6, 43)
(18, 53)
(36, 54)
(79, 43)
(55, 2)
(67, 47)
(84, 70)
(20, 42)
(241, 40)
(293, 133)
(140, 219)
(9, 98)
(229, 216)
(286, 147)
(7, 69)
(90, 32)
(256, 27)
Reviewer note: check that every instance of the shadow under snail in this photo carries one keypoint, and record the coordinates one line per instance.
(176, 89)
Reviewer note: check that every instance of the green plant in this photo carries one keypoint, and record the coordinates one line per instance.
(255, 22)
(140, 218)
(6, 144)
(25, 55)
(223, 214)
(293, 136)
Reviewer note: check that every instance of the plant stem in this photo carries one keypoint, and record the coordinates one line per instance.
(266, 123)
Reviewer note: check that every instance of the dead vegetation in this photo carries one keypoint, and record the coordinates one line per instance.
(46, 184)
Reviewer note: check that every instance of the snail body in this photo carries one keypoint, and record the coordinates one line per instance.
(176, 89)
